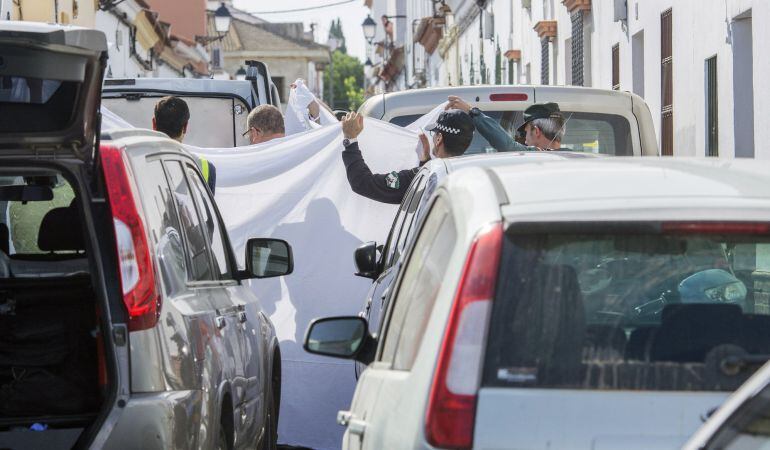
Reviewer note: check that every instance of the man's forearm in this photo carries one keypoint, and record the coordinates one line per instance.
(495, 134)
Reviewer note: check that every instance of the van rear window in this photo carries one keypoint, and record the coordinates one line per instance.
(686, 312)
(606, 134)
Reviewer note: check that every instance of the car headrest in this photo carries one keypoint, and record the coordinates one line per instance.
(5, 237)
(60, 230)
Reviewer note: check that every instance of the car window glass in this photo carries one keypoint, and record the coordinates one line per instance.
(390, 246)
(214, 122)
(211, 223)
(420, 284)
(603, 310)
(409, 219)
(607, 134)
(164, 228)
(23, 219)
(195, 233)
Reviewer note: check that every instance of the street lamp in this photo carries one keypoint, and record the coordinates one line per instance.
(333, 43)
(370, 28)
(222, 19)
(240, 74)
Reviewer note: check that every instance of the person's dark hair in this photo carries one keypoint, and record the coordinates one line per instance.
(456, 145)
(171, 116)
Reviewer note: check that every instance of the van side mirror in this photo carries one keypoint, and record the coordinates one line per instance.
(344, 337)
(267, 258)
(366, 260)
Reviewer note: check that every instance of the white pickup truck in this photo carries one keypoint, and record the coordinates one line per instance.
(218, 108)
(598, 120)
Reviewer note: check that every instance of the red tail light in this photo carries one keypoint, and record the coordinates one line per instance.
(137, 277)
(716, 227)
(508, 97)
(452, 402)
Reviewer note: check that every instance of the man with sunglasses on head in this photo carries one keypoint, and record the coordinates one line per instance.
(452, 134)
(543, 127)
(265, 123)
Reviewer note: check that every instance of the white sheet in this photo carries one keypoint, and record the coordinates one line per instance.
(295, 188)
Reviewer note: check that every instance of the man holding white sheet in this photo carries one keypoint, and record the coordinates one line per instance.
(452, 134)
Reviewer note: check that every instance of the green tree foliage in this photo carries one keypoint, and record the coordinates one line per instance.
(347, 79)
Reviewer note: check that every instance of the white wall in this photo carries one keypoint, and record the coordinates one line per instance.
(701, 29)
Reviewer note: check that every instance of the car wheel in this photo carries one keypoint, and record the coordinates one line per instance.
(222, 439)
(270, 440)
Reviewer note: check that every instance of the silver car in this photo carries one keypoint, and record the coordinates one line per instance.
(125, 321)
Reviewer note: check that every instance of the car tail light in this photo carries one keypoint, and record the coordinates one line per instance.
(716, 227)
(452, 403)
(511, 97)
(137, 276)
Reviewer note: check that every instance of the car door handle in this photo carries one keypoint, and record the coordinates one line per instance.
(348, 419)
(357, 427)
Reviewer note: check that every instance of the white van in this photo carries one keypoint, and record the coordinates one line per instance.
(598, 120)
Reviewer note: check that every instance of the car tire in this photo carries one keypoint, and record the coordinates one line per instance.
(270, 440)
(222, 443)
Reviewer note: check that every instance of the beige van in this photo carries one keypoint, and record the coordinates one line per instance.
(598, 120)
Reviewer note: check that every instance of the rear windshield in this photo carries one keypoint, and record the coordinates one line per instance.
(607, 134)
(214, 122)
(30, 104)
(630, 311)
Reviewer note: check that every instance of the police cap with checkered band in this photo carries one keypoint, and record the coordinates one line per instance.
(454, 125)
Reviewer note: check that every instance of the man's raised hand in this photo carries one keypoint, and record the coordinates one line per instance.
(352, 125)
(456, 102)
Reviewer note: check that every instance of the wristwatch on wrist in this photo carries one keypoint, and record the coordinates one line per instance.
(348, 142)
(474, 112)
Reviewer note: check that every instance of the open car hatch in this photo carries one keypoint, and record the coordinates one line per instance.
(50, 86)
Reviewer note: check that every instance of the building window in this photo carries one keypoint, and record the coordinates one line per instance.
(616, 67)
(510, 71)
(637, 68)
(712, 108)
(278, 82)
(667, 85)
(545, 57)
(216, 60)
(577, 49)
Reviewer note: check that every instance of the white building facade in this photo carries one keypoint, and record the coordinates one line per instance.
(697, 63)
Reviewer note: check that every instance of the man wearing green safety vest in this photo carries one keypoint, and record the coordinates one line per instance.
(171, 117)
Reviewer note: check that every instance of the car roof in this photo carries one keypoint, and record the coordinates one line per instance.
(240, 88)
(504, 158)
(633, 189)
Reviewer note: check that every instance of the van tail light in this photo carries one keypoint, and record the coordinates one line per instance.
(452, 403)
(511, 97)
(137, 275)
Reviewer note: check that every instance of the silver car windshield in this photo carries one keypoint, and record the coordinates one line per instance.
(630, 311)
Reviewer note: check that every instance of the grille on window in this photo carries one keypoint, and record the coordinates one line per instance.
(545, 60)
(577, 48)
